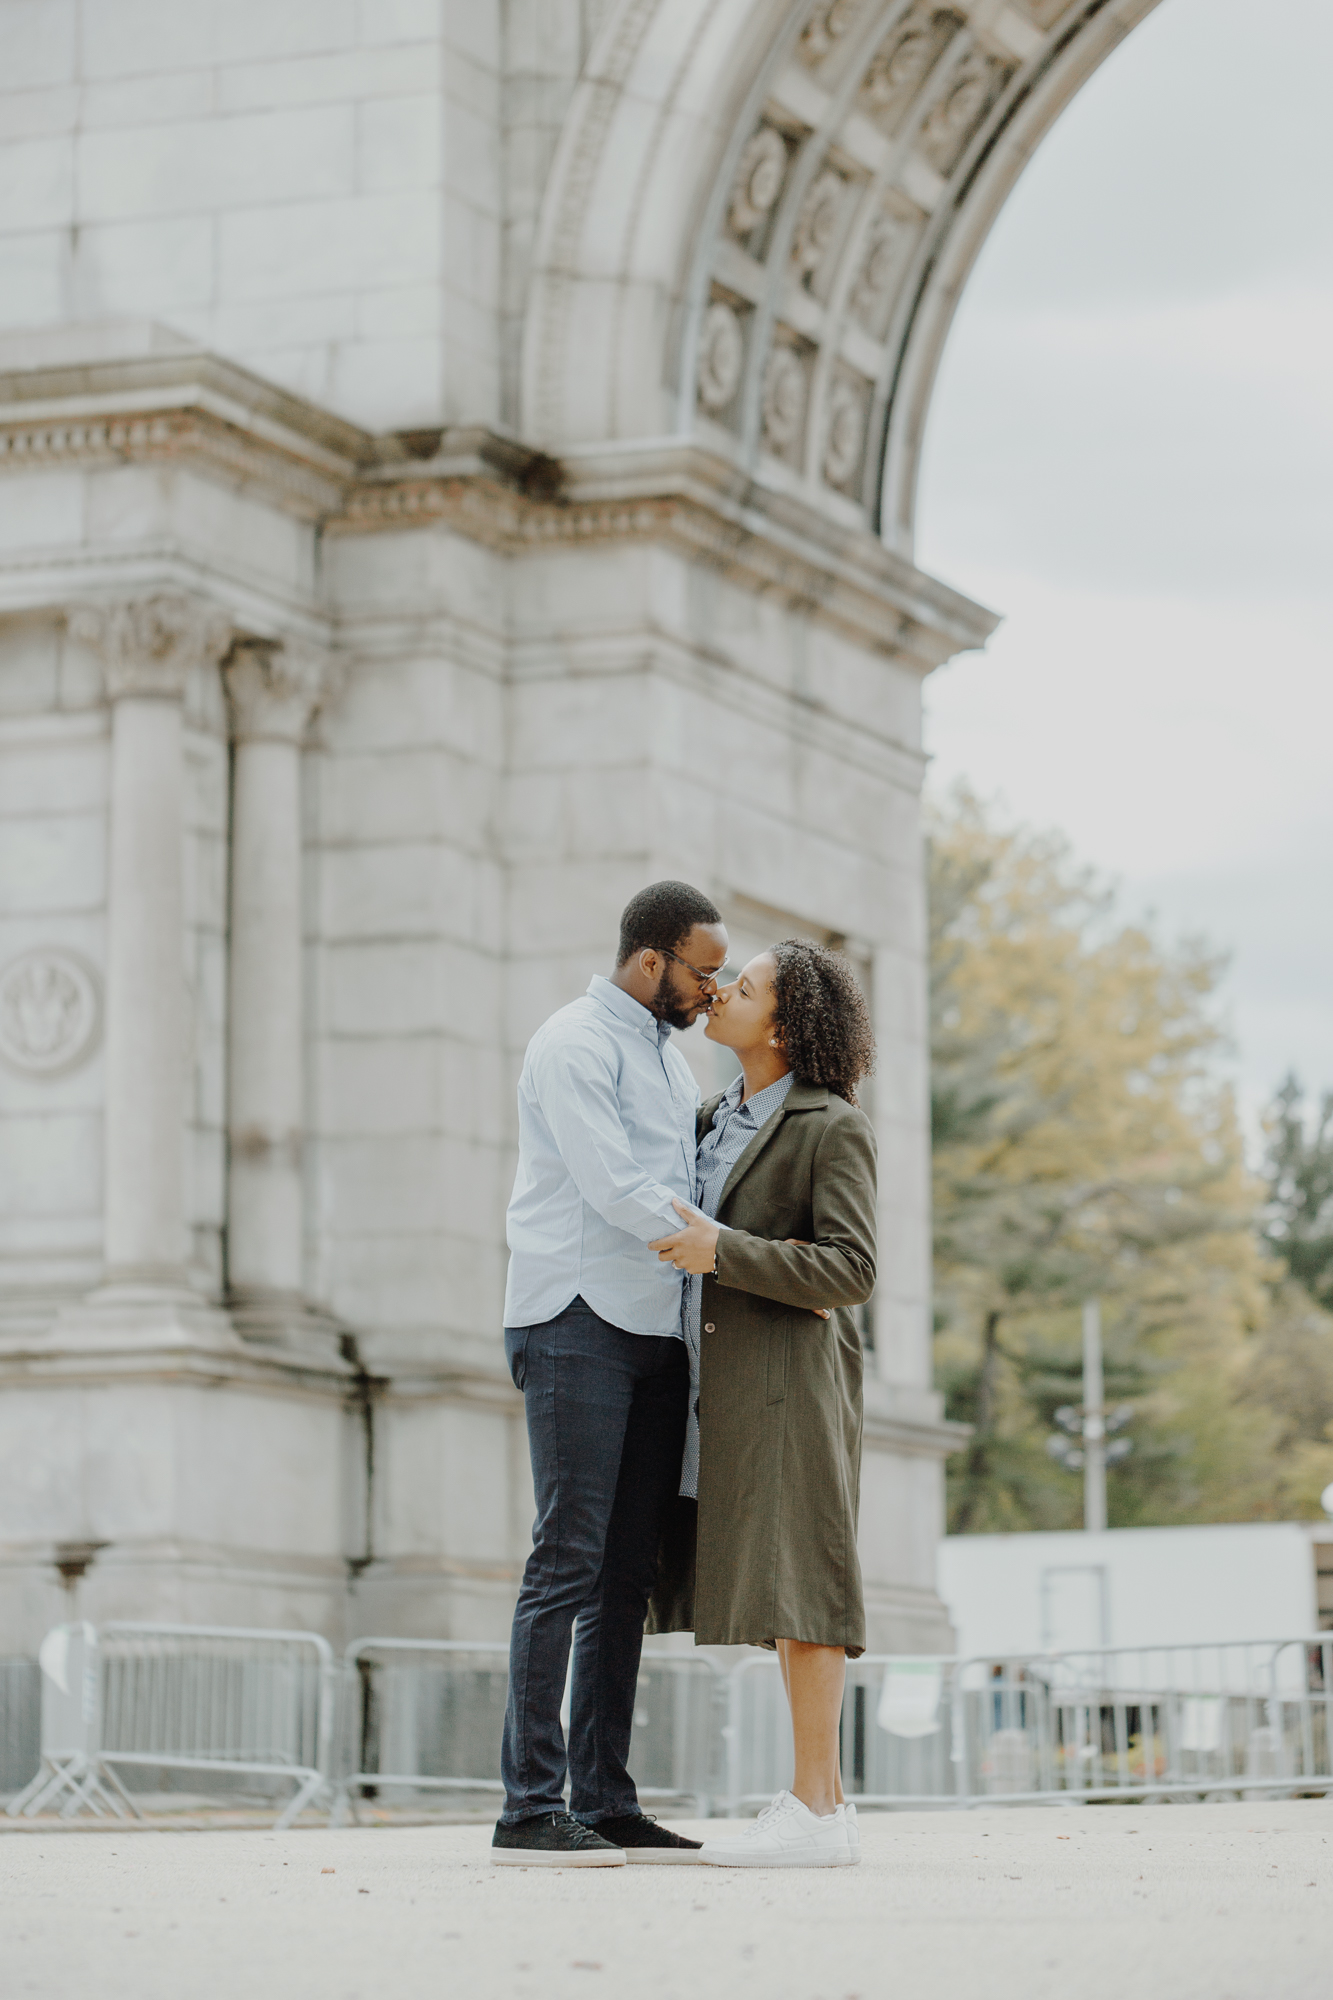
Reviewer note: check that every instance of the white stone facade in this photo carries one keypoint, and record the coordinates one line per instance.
(456, 466)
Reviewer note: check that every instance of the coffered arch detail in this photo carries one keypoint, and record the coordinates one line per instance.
(761, 217)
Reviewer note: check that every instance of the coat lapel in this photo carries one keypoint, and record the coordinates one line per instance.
(801, 1097)
(704, 1116)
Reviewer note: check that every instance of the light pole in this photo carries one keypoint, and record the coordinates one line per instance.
(1090, 1423)
(1094, 1420)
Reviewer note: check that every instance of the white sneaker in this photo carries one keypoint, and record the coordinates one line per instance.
(785, 1835)
(848, 1812)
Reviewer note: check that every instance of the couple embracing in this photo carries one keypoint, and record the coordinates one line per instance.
(679, 1320)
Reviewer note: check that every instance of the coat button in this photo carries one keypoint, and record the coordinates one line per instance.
(709, 1327)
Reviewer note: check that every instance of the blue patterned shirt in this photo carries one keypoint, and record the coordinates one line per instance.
(734, 1125)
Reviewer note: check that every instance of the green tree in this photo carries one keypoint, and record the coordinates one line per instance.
(1290, 1374)
(1082, 1145)
(1298, 1221)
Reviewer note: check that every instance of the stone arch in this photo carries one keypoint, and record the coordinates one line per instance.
(760, 218)
(659, 96)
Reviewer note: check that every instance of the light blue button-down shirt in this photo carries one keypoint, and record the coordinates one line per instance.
(605, 1140)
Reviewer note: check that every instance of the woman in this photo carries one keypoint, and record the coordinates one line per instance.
(783, 1249)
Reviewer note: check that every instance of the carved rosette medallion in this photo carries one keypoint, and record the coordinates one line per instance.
(817, 225)
(826, 28)
(48, 1011)
(783, 401)
(721, 356)
(880, 259)
(900, 65)
(845, 435)
(953, 121)
(759, 178)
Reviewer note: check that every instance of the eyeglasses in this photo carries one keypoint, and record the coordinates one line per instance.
(705, 979)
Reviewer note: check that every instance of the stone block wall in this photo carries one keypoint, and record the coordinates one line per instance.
(313, 189)
(406, 928)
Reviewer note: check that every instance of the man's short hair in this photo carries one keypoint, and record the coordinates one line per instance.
(661, 917)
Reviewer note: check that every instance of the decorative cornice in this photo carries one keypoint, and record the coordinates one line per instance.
(192, 408)
(167, 372)
(676, 493)
(308, 490)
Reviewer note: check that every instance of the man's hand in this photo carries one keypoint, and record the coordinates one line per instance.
(692, 1249)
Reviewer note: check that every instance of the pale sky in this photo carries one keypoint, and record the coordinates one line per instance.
(1131, 456)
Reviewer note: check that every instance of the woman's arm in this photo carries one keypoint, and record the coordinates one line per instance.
(837, 1268)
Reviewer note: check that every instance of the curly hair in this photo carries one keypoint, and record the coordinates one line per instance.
(821, 1015)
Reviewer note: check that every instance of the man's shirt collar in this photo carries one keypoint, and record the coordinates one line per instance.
(628, 1009)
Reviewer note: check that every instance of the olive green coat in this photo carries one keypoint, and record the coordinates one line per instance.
(780, 1391)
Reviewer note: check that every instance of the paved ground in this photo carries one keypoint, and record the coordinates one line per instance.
(1209, 1902)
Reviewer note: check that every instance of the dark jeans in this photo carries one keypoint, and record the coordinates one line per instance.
(606, 1430)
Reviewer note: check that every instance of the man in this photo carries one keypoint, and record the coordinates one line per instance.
(606, 1110)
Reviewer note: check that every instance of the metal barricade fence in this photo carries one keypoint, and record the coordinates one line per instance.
(1126, 1722)
(71, 1728)
(1151, 1722)
(897, 1732)
(419, 1715)
(226, 1702)
(427, 1715)
(20, 1724)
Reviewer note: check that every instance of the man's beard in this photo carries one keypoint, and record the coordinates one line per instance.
(666, 1007)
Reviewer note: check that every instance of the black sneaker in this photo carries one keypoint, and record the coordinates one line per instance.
(553, 1840)
(644, 1840)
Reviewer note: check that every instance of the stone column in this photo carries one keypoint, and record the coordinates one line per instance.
(902, 1102)
(149, 647)
(274, 688)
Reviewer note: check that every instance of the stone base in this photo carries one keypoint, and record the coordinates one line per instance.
(153, 1465)
(290, 1331)
(902, 1518)
(158, 1462)
(131, 1323)
(165, 1581)
(906, 1621)
(402, 1599)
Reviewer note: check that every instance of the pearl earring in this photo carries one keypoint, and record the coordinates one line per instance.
(772, 1044)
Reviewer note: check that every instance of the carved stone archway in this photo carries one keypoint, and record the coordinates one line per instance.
(761, 216)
